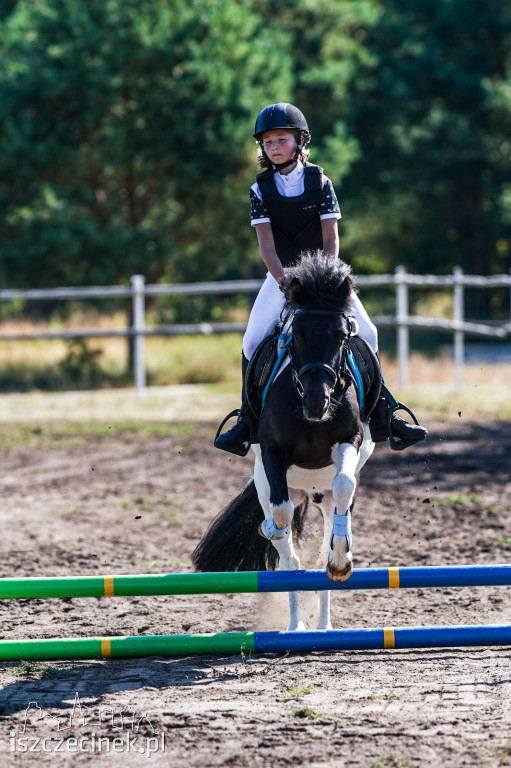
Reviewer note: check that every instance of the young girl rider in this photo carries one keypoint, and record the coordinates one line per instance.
(293, 209)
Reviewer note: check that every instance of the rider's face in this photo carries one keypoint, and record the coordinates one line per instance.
(279, 145)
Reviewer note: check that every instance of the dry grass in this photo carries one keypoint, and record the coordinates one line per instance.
(485, 391)
(197, 363)
(431, 395)
(169, 360)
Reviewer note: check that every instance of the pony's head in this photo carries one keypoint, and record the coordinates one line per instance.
(318, 291)
(320, 280)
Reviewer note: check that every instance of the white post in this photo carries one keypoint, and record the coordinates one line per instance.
(403, 336)
(459, 338)
(138, 283)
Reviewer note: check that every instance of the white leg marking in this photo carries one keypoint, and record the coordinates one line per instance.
(366, 449)
(283, 513)
(340, 558)
(261, 483)
(289, 561)
(327, 510)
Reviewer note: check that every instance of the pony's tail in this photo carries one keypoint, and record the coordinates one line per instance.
(232, 541)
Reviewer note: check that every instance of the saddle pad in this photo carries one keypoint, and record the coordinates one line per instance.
(266, 363)
(365, 367)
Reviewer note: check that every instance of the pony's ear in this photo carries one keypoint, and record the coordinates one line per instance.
(294, 292)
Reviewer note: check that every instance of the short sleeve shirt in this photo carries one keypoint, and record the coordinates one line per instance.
(292, 185)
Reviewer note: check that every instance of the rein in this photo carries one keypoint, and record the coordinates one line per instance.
(334, 375)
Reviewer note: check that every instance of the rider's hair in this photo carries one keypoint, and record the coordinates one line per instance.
(264, 161)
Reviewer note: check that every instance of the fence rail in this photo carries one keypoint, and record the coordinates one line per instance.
(402, 320)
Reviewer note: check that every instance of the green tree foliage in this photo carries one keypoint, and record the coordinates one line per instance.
(125, 132)
(431, 184)
(123, 126)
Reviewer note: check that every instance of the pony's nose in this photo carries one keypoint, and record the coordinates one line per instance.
(316, 406)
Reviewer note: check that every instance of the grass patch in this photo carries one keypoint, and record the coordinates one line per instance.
(307, 713)
(297, 691)
(57, 365)
(32, 669)
(392, 761)
(67, 434)
(193, 359)
(169, 517)
(458, 498)
(386, 696)
(70, 513)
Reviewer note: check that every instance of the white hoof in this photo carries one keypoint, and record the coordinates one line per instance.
(299, 627)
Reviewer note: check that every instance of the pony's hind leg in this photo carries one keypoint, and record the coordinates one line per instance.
(327, 511)
(340, 559)
(288, 561)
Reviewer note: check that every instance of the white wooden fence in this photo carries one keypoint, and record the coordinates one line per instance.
(402, 320)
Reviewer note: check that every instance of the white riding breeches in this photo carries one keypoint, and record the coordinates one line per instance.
(269, 304)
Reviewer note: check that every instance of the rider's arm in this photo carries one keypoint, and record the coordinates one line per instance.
(330, 236)
(268, 252)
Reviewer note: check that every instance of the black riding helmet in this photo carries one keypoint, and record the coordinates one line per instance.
(282, 115)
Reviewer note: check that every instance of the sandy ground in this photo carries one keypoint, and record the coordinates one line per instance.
(113, 501)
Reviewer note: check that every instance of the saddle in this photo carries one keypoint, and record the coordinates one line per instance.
(361, 366)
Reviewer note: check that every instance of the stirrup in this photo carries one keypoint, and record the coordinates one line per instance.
(399, 443)
(241, 451)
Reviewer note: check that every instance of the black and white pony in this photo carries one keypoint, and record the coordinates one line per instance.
(312, 443)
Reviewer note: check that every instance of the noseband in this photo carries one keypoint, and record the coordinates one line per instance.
(333, 375)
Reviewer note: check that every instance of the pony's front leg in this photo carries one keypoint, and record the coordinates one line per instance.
(340, 558)
(281, 507)
(277, 526)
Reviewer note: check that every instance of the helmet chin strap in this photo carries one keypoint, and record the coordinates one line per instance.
(280, 166)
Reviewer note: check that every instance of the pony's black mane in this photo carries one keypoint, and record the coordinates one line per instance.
(318, 280)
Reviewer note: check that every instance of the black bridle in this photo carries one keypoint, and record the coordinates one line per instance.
(334, 374)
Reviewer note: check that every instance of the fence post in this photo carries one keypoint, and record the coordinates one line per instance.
(403, 336)
(459, 337)
(138, 284)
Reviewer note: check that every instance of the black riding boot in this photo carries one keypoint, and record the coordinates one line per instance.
(385, 424)
(237, 439)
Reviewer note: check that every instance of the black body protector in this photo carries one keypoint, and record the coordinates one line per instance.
(295, 220)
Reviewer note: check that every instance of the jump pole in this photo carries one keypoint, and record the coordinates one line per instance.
(255, 642)
(253, 581)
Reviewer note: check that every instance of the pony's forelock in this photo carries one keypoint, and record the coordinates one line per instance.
(320, 279)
